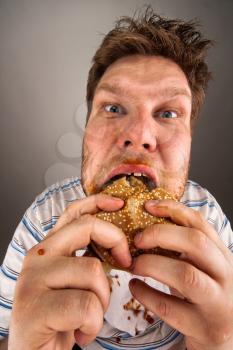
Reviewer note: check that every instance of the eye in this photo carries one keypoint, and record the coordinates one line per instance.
(112, 108)
(168, 114)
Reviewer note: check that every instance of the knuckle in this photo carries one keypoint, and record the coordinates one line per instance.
(31, 254)
(100, 197)
(95, 266)
(90, 305)
(220, 335)
(155, 231)
(89, 222)
(163, 309)
(189, 276)
(199, 217)
(199, 240)
(64, 308)
(87, 218)
(69, 212)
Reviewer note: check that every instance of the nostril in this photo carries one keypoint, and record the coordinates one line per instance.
(127, 143)
(146, 145)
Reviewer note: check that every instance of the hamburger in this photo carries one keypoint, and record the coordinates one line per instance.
(135, 190)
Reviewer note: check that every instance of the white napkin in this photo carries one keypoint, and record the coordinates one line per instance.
(124, 312)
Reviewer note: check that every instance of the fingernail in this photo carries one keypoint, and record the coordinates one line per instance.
(117, 199)
(128, 260)
(138, 238)
(80, 338)
(132, 264)
(132, 282)
(154, 202)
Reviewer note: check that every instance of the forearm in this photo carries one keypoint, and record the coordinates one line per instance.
(4, 344)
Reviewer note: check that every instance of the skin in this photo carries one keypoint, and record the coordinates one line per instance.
(144, 89)
(147, 125)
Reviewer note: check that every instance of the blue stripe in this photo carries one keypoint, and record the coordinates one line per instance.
(224, 224)
(193, 204)
(6, 301)
(211, 221)
(49, 224)
(5, 306)
(154, 345)
(231, 247)
(4, 333)
(17, 248)
(191, 183)
(151, 328)
(7, 274)
(56, 189)
(28, 226)
(49, 227)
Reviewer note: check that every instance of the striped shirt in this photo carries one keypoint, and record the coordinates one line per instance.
(43, 214)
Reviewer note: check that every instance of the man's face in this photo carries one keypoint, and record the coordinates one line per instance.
(139, 123)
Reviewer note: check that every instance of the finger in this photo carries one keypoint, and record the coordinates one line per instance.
(192, 243)
(88, 205)
(184, 216)
(79, 233)
(68, 310)
(178, 313)
(192, 283)
(76, 273)
(82, 339)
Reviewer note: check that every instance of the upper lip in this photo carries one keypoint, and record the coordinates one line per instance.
(131, 168)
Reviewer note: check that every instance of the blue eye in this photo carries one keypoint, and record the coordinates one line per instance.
(167, 114)
(111, 108)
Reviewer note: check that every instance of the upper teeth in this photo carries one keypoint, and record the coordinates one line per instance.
(138, 174)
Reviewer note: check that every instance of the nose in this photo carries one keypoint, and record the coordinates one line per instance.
(138, 136)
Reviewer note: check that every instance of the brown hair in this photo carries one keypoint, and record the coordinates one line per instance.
(151, 34)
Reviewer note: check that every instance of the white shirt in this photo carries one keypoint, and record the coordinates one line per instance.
(42, 215)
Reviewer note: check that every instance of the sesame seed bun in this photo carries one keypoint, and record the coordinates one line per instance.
(132, 218)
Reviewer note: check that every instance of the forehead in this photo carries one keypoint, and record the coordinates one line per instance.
(152, 73)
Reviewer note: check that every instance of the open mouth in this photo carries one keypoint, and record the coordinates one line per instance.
(129, 177)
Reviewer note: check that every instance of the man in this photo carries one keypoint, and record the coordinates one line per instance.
(144, 93)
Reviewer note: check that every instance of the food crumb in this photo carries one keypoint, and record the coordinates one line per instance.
(147, 317)
(118, 339)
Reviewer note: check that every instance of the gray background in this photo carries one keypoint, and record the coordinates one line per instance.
(45, 51)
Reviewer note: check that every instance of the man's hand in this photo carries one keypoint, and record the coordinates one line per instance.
(60, 298)
(202, 307)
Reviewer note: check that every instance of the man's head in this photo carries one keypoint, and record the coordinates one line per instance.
(152, 35)
(146, 85)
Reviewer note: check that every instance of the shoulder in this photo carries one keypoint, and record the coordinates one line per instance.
(50, 204)
(46, 209)
(196, 196)
(42, 215)
(61, 192)
(200, 199)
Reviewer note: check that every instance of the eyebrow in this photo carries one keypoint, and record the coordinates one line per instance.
(115, 89)
(171, 91)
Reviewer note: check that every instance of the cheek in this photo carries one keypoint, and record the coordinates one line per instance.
(99, 138)
(175, 152)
